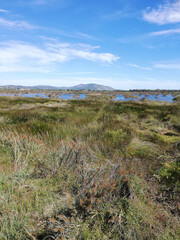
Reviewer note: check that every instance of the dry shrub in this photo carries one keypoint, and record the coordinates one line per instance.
(24, 148)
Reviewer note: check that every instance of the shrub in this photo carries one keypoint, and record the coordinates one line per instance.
(118, 138)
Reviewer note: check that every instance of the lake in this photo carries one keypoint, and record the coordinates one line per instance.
(66, 96)
(160, 97)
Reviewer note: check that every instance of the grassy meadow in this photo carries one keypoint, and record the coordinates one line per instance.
(89, 169)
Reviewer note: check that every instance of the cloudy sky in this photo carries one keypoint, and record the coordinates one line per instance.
(123, 44)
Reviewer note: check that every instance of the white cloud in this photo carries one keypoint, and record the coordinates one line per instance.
(16, 24)
(77, 35)
(84, 36)
(168, 66)
(124, 11)
(150, 79)
(116, 15)
(45, 2)
(40, 2)
(21, 56)
(164, 14)
(3, 11)
(165, 32)
(139, 67)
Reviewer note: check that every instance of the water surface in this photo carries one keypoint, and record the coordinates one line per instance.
(64, 96)
(160, 97)
(118, 97)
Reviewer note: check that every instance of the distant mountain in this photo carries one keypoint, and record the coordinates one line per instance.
(43, 87)
(90, 86)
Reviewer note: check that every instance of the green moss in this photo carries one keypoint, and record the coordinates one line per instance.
(170, 172)
(118, 138)
(160, 138)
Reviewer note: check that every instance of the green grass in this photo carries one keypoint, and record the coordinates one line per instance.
(89, 169)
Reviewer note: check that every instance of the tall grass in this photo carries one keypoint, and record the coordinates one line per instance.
(90, 169)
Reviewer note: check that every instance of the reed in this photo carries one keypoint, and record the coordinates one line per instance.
(89, 169)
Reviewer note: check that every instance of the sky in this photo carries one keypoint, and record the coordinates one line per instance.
(131, 44)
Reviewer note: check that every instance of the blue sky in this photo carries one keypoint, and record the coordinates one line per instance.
(123, 44)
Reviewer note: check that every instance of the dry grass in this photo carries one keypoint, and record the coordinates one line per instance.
(90, 169)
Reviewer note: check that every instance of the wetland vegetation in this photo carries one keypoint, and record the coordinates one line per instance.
(117, 95)
(89, 169)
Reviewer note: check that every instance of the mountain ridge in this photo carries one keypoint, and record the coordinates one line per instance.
(90, 86)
